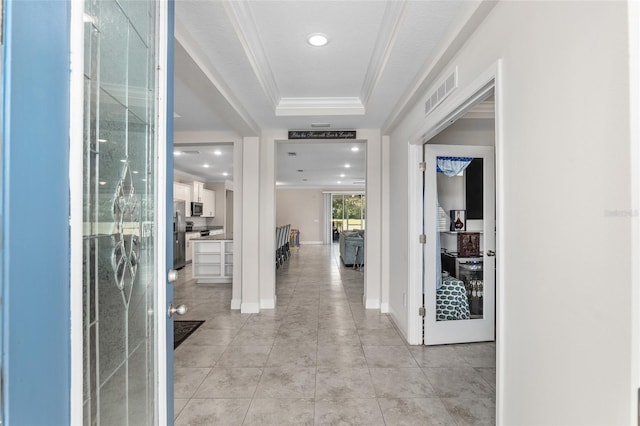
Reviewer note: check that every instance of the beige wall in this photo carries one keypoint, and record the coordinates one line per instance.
(564, 316)
(302, 208)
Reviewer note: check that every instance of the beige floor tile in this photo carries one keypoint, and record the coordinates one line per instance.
(388, 357)
(415, 412)
(279, 382)
(225, 382)
(344, 383)
(207, 412)
(284, 412)
(348, 412)
(401, 383)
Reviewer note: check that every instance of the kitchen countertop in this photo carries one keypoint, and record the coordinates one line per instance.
(205, 228)
(214, 237)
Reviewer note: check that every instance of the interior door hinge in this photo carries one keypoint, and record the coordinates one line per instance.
(423, 166)
(422, 238)
(422, 311)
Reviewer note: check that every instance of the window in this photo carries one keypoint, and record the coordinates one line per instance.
(347, 212)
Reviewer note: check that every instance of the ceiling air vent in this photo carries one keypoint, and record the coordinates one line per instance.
(291, 154)
(442, 91)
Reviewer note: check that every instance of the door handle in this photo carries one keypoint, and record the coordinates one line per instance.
(177, 310)
(172, 276)
(491, 253)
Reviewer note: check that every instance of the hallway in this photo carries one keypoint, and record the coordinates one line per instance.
(320, 358)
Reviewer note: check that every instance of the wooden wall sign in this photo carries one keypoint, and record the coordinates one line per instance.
(322, 134)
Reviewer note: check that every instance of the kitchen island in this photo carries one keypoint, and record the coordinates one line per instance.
(212, 258)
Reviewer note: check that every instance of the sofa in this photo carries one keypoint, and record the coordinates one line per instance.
(352, 247)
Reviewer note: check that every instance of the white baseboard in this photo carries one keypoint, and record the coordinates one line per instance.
(250, 308)
(235, 303)
(311, 243)
(384, 308)
(372, 304)
(267, 303)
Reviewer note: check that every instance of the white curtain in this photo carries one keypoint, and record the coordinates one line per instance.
(326, 229)
(452, 166)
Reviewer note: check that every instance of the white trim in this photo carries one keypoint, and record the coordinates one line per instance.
(76, 143)
(372, 304)
(414, 320)
(392, 20)
(235, 303)
(268, 303)
(384, 308)
(249, 308)
(311, 243)
(500, 240)
(161, 223)
(243, 23)
(319, 106)
(634, 136)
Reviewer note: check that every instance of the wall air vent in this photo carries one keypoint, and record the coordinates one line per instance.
(442, 91)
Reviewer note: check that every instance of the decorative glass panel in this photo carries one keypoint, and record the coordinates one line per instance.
(119, 212)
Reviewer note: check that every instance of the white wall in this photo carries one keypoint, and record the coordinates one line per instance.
(302, 208)
(565, 319)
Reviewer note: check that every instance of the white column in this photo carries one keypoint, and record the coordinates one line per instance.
(236, 287)
(267, 221)
(385, 253)
(372, 268)
(250, 225)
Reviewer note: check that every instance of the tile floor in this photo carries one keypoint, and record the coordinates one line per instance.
(320, 358)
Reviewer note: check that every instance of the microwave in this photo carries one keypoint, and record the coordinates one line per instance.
(196, 209)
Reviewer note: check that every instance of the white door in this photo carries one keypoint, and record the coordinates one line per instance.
(459, 254)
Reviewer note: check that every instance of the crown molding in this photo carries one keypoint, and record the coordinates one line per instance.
(389, 28)
(293, 107)
(232, 111)
(243, 23)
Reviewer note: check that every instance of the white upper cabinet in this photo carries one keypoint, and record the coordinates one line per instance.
(198, 188)
(182, 191)
(208, 203)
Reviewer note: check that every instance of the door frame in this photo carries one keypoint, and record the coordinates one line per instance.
(452, 108)
(164, 190)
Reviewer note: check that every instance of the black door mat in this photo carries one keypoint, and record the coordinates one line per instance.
(182, 330)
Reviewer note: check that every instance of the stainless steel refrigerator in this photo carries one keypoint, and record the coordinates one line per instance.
(179, 229)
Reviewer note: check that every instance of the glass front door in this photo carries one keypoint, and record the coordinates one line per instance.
(120, 212)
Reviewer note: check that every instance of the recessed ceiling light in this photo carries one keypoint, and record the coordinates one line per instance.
(342, 175)
(355, 149)
(206, 166)
(102, 182)
(102, 140)
(135, 172)
(124, 160)
(217, 152)
(317, 39)
(346, 166)
(225, 174)
(339, 182)
(176, 153)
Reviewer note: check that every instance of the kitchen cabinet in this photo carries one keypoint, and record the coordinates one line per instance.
(198, 188)
(182, 191)
(208, 203)
(212, 260)
(189, 245)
